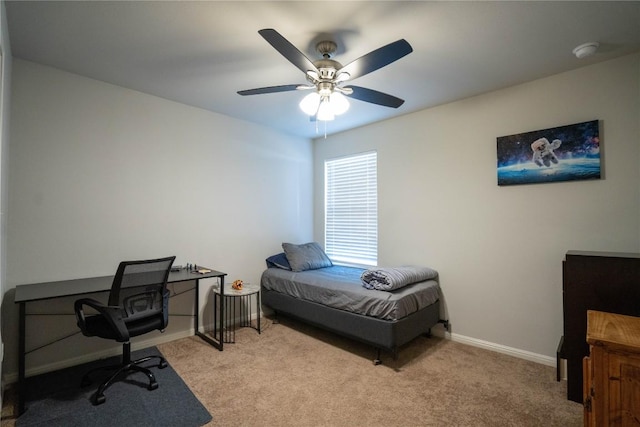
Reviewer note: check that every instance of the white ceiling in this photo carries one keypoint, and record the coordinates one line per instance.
(201, 53)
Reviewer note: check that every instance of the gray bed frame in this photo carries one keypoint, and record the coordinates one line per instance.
(382, 334)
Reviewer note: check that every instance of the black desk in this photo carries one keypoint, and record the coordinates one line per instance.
(66, 288)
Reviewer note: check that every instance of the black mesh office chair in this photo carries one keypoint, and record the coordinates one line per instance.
(138, 304)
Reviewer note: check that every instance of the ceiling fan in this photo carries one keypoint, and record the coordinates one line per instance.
(329, 79)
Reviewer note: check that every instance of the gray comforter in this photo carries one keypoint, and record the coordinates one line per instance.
(390, 278)
(341, 288)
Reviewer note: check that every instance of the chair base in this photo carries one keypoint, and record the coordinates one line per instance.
(122, 370)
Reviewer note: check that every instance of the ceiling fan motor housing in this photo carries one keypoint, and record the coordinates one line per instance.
(326, 48)
(326, 66)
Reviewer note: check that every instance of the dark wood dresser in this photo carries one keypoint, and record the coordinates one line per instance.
(602, 281)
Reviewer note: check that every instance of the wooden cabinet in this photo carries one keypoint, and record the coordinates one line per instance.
(612, 371)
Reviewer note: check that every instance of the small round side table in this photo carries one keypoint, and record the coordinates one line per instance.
(237, 309)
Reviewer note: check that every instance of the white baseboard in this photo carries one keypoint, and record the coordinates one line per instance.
(498, 348)
(522, 354)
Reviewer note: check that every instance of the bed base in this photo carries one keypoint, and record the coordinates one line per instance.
(382, 334)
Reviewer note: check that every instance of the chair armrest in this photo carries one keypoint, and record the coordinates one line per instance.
(112, 314)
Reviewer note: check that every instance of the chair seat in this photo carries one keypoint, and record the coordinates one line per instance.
(100, 327)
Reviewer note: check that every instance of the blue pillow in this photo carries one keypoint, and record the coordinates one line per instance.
(278, 261)
(308, 256)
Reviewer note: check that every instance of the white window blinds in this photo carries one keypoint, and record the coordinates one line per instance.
(351, 209)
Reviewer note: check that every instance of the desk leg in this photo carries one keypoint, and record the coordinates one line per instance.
(21, 358)
(196, 318)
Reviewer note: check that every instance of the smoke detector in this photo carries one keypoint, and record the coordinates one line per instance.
(586, 49)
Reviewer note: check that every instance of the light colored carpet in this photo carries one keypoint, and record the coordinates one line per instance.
(296, 375)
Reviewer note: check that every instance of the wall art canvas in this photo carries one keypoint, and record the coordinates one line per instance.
(564, 153)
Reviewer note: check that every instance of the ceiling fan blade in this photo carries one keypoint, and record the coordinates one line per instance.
(288, 50)
(377, 59)
(375, 97)
(270, 89)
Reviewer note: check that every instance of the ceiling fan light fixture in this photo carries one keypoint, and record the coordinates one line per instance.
(325, 112)
(324, 107)
(338, 103)
(309, 104)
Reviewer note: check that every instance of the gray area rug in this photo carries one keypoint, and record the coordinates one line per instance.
(56, 399)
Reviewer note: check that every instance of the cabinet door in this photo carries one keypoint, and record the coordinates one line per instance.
(624, 390)
(630, 393)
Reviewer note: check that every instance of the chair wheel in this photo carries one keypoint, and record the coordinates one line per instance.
(98, 399)
(153, 386)
(163, 364)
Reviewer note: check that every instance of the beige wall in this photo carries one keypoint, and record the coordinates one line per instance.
(99, 173)
(5, 94)
(499, 250)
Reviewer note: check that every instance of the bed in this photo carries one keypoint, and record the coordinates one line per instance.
(333, 297)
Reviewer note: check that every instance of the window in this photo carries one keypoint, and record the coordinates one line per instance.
(351, 209)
